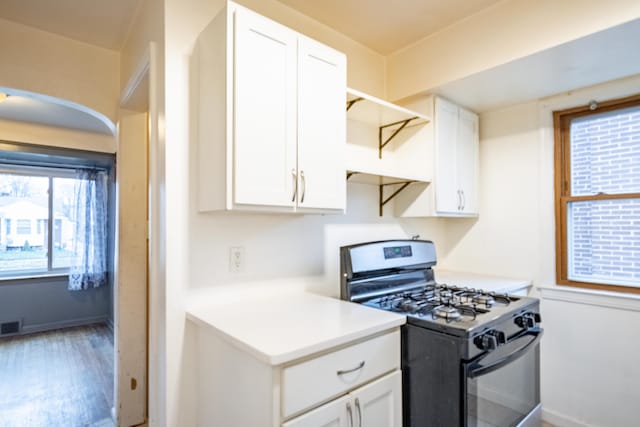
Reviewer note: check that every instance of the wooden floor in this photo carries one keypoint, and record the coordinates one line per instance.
(57, 378)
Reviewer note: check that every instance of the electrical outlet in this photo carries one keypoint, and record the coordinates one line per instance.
(236, 259)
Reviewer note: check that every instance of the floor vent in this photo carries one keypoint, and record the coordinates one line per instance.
(9, 328)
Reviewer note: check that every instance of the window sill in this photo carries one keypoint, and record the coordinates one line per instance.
(617, 300)
(32, 277)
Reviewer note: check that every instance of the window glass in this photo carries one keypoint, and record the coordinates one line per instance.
(23, 200)
(604, 241)
(64, 224)
(605, 153)
(597, 183)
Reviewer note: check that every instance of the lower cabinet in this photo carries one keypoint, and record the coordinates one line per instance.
(356, 384)
(378, 404)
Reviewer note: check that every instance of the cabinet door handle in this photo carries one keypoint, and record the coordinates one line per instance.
(304, 186)
(295, 184)
(359, 412)
(464, 199)
(459, 200)
(350, 414)
(348, 371)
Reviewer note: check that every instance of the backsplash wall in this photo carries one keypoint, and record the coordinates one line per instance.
(285, 246)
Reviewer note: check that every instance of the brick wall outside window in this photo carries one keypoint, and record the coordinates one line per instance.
(604, 236)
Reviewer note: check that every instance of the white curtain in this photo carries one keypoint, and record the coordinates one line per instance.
(89, 268)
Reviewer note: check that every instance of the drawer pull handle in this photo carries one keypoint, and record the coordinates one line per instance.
(348, 371)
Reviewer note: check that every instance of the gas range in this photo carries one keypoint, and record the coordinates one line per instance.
(458, 342)
(458, 310)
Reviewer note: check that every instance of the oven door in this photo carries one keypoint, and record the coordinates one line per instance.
(503, 386)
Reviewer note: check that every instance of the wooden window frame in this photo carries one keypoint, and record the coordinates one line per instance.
(562, 180)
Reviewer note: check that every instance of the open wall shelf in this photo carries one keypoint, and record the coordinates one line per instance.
(395, 185)
(390, 119)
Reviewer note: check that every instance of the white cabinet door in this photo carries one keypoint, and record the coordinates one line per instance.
(446, 135)
(321, 126)
(467, 161)
(379, 404)
(264, 157)
(333, 414)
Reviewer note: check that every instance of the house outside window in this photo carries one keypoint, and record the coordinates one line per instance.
(597, 186)
(26, 248)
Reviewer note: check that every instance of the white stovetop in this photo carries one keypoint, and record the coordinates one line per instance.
(481, 281)
(280, 328)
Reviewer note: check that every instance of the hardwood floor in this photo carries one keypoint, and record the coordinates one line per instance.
(57, 378)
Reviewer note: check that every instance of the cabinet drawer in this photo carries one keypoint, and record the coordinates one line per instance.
(317, 380)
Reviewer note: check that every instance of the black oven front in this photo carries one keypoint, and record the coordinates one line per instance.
(500, 388)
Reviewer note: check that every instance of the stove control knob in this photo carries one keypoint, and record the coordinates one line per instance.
(528, 320)
(501, 338)
(486, 342)
(524, 321)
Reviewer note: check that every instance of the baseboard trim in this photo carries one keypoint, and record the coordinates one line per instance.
(560, 420)
(31, 329)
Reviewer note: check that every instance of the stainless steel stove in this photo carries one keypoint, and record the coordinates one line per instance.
(469, 357)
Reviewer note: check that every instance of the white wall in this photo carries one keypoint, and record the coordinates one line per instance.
(589, 351)
(509, 171)
(49, 64)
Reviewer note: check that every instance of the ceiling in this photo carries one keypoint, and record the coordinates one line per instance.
(599, 57)
(97, 22)
(387, 26)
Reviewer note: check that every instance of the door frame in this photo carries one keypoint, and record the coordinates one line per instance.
(141, 95)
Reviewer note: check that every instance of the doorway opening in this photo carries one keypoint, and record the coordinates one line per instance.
(57, 253)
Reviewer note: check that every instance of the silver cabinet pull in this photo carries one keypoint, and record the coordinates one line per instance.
(350, 414)
(359, 412)
(304, 186)
(459, 200)
(348, 371)
(464, 199)
(295, 184)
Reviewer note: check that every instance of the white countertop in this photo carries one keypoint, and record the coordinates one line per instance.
(481, 281)
(281, 328)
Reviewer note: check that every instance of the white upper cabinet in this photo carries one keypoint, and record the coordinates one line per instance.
(271, 117)
(446, 135)
(321, 126)
(264, 158)
(454, 158)
(467, 159)
(456, 148)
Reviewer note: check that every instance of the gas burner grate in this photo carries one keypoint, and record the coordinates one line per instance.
(442, 301)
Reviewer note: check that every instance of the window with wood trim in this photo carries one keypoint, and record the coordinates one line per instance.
(597, 195)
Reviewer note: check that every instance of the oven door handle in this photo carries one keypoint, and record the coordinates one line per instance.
(476, 369)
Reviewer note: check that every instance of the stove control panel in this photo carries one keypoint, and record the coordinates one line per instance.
(490, 340)
(528, 320)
